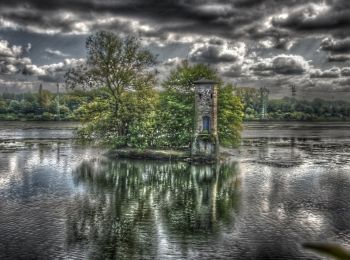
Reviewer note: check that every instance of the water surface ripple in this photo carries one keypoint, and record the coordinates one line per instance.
(287, 184)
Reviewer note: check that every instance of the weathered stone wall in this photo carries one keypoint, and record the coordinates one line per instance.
(205, 144)
(203, 106)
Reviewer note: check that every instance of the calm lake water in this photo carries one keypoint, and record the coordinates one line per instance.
(289, 183)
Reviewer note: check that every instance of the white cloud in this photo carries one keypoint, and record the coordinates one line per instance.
(306, 14)
(214, 51)
(330, 73)
(13, 62)
(219, 9)
(282, 64)
(267, 43)
(55, 52)
(10, 51)
(345, 71)
(12, 58)
(56, 71)
(290, 64)
(33, 70)
(29, 47)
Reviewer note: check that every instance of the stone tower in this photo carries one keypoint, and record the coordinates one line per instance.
(205, 143)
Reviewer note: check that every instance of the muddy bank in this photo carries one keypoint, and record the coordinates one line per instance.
(169, 155)
(150, 154)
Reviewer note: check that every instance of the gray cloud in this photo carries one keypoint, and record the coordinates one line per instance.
(338, 49)
(342, 82)
(12, 58)
(217, 51)
(13, 62)
(245, 40)
(336, 46)
(281, 64)
(233, 71)
(223, 18)
(339, 57)
(345, 71)
(330, 73)
(290, 65)
(319, 16)
(169, 20)
(55, 72)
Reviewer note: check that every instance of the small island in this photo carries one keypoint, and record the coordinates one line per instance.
(205, 147)
(188, 118)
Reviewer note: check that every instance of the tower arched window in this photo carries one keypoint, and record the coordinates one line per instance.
(206, 124)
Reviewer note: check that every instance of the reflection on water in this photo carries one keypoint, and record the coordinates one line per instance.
(60, 200)
(137, 209)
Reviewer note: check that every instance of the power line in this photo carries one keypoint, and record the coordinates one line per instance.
(58, 102)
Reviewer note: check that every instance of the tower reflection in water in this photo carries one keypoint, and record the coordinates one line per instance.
(144, 209)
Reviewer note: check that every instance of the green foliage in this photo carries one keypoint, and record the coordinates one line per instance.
(114, 97)
(3, 107)
(44, 97)
(176, 107)
(174, 119)
(137, 113)
(145, 118)
(305, 110)
(230, 116)
(250, 98)
(14, 106)
(38, 106)
(287, 109)
(181, 79)
(122, 110)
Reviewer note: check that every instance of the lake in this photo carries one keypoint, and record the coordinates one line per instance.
(287, 184)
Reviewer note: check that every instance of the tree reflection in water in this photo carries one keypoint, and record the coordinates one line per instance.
(142, 209)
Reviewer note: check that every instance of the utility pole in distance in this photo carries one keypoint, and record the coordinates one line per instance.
(294, 91)
(264, 97)
(58, 102)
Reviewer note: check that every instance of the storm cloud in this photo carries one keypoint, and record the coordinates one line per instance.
(281, 64)
(246, 41)
(331, 73)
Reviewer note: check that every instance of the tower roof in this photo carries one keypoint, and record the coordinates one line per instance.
(205, 81)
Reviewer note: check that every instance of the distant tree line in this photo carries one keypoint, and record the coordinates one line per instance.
(42, 105)
(292, 109)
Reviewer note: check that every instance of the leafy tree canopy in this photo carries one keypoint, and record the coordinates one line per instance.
(127, 111)
(121, 69)
(177, 106)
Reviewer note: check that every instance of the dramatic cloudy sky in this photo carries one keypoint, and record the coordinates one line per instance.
(271, 43)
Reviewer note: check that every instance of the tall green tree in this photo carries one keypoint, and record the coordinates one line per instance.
(120, 69)
(44, 97)
(230, 116)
